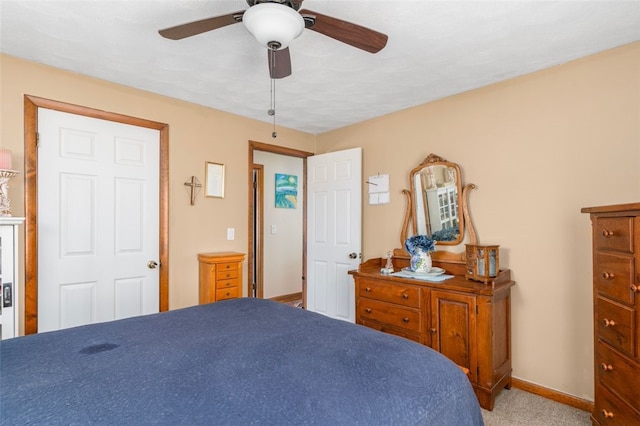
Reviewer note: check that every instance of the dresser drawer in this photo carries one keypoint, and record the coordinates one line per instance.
(389, 292)
(613, 276)
(228, 293)
(227, 283)
(390, 330)
(613, 233)
(618, 373)
(397, 316)
(615, 325)
(611, 410)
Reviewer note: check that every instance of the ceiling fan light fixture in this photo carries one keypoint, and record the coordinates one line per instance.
(273, 22)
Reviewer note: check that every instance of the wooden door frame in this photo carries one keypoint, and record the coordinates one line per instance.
(274, 149)
(258, 236)
(31, 105)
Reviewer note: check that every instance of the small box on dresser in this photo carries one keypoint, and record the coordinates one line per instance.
(220, 276)
(616, 282)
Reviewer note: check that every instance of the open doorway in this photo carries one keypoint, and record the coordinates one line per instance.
(260, 259)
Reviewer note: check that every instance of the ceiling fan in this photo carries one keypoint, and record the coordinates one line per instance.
(275, 23)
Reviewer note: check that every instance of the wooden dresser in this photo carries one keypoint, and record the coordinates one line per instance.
(467, 321)
(220, 276)
(616, 295)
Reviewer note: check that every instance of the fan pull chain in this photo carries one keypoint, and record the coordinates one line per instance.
(272, 109)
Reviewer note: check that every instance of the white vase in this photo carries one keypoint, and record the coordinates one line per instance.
(421, 261)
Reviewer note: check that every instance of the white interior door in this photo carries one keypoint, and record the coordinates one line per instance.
(98, 220)
(334, 190)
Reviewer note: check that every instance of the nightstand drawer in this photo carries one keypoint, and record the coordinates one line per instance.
(228, 293)
(389, 292)
(618, 373)
(388, 313)
(613, 233)
(615, 325)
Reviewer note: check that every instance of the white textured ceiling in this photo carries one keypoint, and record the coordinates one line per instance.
(435, 49)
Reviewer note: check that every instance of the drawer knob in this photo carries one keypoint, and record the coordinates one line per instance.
(405, 296)
(367, 289)
(608, 276)
(368, 310)
(606, 233)
(608, 323)
(228, 266)
(606, 367)
(228, 293)
(607, 414)
(634, 288)
(405, 320)
(432, 330)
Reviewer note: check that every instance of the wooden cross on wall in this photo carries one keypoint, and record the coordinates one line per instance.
(193, 184)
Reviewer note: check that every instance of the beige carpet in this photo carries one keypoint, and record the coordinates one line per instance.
(516, 407)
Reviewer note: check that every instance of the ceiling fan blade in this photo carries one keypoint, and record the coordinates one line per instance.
(198, 27)
(279, 63)
(346, 32)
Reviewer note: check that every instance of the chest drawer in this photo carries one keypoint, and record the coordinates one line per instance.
(618, 373)
(397, 316)
(227, 293)
(226, 270)
(613, 233)
(615, 325)
(614, 276)
(611, 410)
(227, 283)
(389, 292)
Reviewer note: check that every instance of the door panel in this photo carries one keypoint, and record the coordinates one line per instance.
(453, 328)
(98, 220)
(334, 185)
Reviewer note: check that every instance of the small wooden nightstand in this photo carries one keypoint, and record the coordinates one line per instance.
(220, 276)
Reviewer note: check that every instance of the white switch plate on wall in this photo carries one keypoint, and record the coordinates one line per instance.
(231, 233)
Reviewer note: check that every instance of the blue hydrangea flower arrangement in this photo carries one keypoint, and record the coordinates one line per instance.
(418, 243)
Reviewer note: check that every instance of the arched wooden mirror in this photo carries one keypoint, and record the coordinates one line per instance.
(437, 203)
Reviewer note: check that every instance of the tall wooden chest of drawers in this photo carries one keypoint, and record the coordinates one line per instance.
(616, 295)
(220, 276)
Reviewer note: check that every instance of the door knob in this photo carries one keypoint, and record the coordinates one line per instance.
(353, 256)
(152, 264)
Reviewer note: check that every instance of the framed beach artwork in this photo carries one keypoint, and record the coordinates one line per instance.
(286, 191)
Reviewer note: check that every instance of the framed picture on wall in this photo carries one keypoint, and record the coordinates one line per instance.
(214, 180)
(286, 191)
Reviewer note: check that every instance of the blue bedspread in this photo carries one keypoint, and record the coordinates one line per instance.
(237, 362)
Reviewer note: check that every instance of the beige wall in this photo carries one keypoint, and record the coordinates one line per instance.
(539, 148)
(196, 134)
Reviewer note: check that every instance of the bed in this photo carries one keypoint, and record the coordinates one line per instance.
(241, 361)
